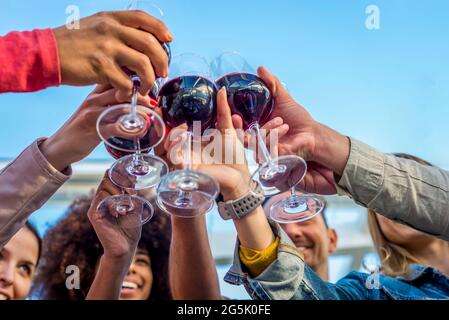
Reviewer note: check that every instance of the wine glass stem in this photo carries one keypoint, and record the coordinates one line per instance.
(134, 101)
(262, 146)
(188, 151)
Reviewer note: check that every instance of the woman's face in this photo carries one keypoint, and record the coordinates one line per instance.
(18, 260)
(139, 280)
(401, 234)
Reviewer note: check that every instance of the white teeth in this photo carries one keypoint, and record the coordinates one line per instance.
(3, 297)
(129, 285)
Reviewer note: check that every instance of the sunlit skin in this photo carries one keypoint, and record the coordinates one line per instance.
(312, 238)
(18, 260)
(139, 279)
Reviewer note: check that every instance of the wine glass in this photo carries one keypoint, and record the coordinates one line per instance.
(188, 97)
(249, 97)
(125, 130)
(126, 211)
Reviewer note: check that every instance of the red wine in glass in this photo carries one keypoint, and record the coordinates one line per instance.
(248, 96)
(187, 99)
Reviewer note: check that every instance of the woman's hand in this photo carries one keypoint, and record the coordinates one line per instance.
(223, 160)
(78, 137)
(118, 243)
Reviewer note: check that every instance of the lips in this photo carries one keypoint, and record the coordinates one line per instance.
(303, 247)
(130, 285)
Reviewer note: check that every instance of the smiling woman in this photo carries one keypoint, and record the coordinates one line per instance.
(73, 242)
(18, 262)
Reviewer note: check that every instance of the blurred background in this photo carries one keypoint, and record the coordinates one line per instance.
(387, 86)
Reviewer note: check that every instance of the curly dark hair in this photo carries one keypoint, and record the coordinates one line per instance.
(73, 241)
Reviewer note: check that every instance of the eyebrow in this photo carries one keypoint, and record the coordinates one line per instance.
(142, 252)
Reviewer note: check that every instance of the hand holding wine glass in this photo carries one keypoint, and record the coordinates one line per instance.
(232, 177)
(303, 137)
(253, 100)
(118, 241)
(77, 138)
(106, 43)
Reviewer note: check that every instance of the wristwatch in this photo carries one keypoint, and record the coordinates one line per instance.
(238, 208)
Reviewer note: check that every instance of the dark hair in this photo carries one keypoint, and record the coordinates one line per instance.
(73, 241)
(33, 230)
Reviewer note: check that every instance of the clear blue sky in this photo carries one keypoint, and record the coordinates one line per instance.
(388, 87)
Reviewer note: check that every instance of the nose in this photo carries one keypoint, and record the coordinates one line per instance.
(132, 269)
(293, 230)
(6, 275)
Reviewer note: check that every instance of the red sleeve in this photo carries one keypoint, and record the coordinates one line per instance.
(29, 61)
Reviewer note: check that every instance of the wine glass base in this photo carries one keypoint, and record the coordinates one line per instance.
(125, 211)
(281, 174)
(187, 194)
(138, 172)
(299, 208)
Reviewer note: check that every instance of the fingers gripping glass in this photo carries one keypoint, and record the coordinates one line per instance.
(252, 100)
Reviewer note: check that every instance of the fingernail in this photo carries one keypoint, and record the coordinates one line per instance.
(277, 121)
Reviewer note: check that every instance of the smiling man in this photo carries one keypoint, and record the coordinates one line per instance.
(313, 238)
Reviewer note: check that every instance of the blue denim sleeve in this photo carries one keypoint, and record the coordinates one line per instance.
(289, 278)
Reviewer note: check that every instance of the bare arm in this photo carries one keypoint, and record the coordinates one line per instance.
(193, 275)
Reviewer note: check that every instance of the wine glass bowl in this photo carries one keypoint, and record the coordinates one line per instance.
(122, 132)
(187, 99)
(125, 211)
(248, 97)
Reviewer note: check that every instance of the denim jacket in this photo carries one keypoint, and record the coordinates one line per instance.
(289, 278)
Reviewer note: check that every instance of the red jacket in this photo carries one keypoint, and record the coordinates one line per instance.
(29, 61)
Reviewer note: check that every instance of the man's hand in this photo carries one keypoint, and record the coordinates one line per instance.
(106, 43)
(325, 150)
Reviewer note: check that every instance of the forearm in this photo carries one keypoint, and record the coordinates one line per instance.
(400, 189)
(332, 148)
(29, 61)
(193, 274)
(254, 231)
(54, 151)
(109, 278)
(25, 185)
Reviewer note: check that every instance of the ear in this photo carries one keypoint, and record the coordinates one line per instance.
(333, 238)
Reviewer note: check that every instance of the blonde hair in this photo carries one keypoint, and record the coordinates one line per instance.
(395, 259)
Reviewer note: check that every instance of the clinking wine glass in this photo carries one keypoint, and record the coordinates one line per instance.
(188, 97)
(130, 127)
(252, 100)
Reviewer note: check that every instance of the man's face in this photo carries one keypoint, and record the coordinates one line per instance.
(313, 240)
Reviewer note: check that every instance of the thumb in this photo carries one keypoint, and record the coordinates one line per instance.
(224, 116)
(279, 92)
